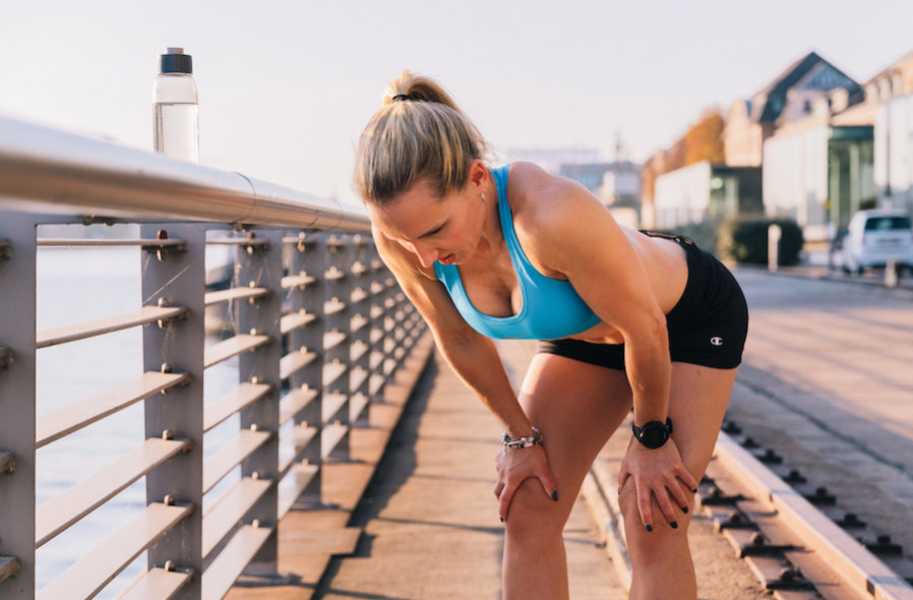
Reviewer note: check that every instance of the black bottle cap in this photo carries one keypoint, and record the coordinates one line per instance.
(175, 61)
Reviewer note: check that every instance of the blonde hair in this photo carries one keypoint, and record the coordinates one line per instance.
(418, 133)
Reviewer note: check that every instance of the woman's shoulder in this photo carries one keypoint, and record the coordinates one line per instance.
(544, 207)
(538, 197)
(533, 193)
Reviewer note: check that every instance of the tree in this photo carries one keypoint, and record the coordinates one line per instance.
(704, 140)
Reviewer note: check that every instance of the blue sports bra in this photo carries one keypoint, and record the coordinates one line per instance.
(551, 307)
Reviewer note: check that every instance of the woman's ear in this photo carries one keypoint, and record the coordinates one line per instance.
(478, 173)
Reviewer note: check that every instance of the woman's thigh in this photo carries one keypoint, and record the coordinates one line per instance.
(698, 400)
(577, 406)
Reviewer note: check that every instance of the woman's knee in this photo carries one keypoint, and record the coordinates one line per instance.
(649, 546)
(533, 514)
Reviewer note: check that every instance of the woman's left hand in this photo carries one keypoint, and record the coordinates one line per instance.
(658, 473)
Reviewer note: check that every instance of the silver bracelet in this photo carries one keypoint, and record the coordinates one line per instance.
(524, 442)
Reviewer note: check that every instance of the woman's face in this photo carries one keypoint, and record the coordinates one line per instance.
(447, 229)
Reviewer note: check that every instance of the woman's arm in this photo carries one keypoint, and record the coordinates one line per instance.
(476, 361)
(472, 355)
(581, 239)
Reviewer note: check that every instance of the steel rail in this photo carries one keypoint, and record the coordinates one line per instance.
(845, 567)
(851, 562)
(48, 171)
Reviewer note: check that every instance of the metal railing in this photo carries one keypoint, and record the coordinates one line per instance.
(320, 328)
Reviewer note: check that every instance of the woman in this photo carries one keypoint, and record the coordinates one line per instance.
(626, 319)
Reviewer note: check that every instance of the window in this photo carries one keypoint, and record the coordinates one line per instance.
(887, 223)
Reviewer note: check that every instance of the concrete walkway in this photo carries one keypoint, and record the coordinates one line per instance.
(431, 527)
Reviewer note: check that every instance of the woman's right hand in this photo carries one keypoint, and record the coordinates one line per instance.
(516, 465)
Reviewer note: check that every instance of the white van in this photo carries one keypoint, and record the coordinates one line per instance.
(876, 236)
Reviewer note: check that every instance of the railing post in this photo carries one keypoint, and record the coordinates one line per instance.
(337, 282)
(308, 258)
(400, 329)
(177, 278)
(17, 405)
(377, 336)
(412, 323)
(391, 339)
(260, 265)
(359, 329)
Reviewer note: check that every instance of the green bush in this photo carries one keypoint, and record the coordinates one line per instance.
(868, 203)
(745, 240)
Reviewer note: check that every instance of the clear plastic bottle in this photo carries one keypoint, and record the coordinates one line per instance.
(176, 119)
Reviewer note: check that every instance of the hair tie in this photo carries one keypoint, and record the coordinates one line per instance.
(402, 97)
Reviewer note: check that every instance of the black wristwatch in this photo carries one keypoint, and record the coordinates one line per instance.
(652, 434)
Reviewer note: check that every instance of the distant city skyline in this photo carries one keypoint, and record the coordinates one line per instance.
(285, 88)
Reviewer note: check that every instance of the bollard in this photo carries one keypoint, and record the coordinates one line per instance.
(890, 273)
(773, 247)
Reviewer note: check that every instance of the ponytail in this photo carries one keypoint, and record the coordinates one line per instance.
(418, 133)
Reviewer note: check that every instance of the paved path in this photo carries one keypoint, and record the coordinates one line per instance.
(430, 517)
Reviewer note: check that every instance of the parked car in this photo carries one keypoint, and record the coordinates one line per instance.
(875, 236)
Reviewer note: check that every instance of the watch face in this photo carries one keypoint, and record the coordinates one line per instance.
(654, 434)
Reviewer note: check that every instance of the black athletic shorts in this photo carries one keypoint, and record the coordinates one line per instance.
(707, 326)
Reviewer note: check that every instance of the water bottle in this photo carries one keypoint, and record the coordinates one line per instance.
(177, 131)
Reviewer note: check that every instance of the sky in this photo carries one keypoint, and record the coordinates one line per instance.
(286, 87)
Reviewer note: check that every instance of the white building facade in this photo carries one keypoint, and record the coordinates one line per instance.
(894, 153)
(682, 196)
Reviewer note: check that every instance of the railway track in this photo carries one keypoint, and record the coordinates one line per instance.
(796, 538)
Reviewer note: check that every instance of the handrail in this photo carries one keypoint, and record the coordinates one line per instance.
(317, 322)
(51, 171)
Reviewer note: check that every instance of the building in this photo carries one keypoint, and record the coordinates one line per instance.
(819, 173)
(894, 153)
(621, 186)
(889, 94)
(704, 191)
(788, 97)
(848, 152)
(888, 109)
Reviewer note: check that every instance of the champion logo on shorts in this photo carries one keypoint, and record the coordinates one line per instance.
(716, 341)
